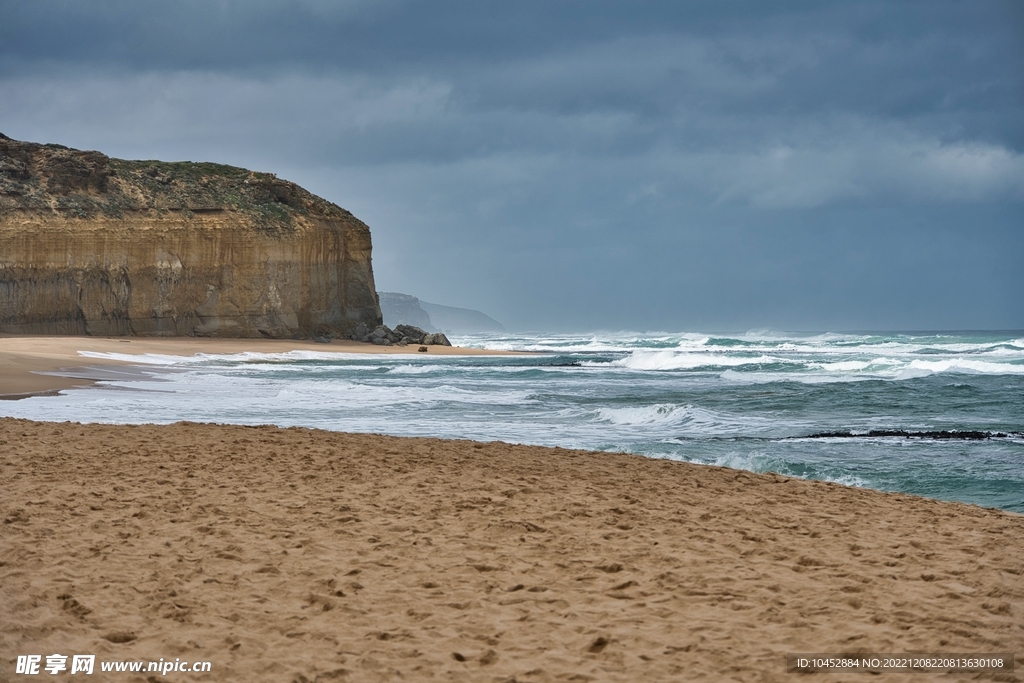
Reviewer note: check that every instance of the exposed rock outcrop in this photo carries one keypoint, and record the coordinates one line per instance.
(95, 245)
(401, 335)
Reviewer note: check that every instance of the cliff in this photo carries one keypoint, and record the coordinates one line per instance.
(461, 320)
(102, 246)
(403, 309)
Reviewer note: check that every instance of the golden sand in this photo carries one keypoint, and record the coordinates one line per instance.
(298, 555)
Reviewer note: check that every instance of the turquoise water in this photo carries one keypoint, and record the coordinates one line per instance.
(759, 402)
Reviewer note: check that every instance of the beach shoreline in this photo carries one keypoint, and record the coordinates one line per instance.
(28, 364)
(305, 555)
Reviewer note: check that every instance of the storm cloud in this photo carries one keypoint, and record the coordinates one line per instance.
(584, 165)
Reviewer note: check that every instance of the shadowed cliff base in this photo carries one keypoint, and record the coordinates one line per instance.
(99, 246)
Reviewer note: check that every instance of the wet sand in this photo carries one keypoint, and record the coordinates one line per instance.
(299, 555)
(23, 359)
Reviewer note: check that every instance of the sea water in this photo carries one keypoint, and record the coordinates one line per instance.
(800, 405)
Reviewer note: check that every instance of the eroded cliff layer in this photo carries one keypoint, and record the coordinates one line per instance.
(94, 245)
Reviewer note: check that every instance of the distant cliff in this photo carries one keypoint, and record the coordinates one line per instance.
(405, 309)
(460, 320)
(94, 245)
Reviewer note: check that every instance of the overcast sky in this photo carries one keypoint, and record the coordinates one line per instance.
(589, 165)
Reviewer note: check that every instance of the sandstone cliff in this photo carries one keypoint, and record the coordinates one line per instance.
(94, 245)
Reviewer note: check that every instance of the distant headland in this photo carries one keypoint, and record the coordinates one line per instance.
(406, 309)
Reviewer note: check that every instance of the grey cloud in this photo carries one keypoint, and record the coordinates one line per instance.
(587, 164)
(867, 166)
(363, 121)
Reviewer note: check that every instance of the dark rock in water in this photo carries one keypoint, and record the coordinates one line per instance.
(322, 340)
(966, 435)
(437, 339)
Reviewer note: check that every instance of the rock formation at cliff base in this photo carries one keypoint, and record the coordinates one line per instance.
(102, 246)
(402, 335)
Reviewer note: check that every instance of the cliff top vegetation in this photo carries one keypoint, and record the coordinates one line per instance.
(53, 179)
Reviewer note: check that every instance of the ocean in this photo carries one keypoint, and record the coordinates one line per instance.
(938, 415)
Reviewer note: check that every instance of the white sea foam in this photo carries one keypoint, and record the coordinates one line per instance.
(1004, 351)
(244, 357)
(673, 360)
(606, 391)
(875, 364)
(413, 369)
(740, 377)
(691, 353)
(759, 462)
(752, 461)
(140, 358)
(667, 420)
(838, 348)
(843, 479)
(594, 343)
(660, 414)
(965, 365)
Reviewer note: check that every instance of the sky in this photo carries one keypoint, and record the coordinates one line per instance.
(589, 165)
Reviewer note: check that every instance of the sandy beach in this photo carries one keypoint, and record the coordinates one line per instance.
(26, 360)
(300, 555)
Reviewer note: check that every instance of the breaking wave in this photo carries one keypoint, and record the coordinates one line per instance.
(816, 406)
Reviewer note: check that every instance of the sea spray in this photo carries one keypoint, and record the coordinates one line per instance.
(765, 402)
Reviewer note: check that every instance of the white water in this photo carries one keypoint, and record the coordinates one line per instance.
(733, 401)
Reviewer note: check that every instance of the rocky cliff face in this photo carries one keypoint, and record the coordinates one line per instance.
(94, 245)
